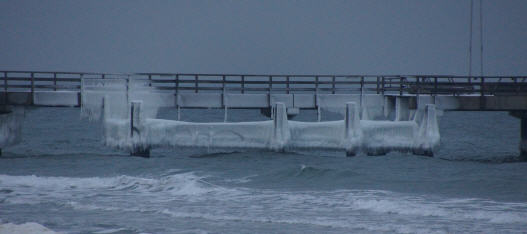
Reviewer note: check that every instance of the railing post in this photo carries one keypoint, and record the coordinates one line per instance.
(177, 84)
(382, 80)
(5, 88)
(287, 84)
(223, 82)
(32, 88)
(418, 85)
(435, 85)
(270, 93)
(333, 85)
(401, 86)
(361, 84)
(223, 98)
(54, 81)
(243, 84)
(270, 84)
(195, 83)
(482, 88)
(127, 88)
(32, 83)
(316, 85)
(5, 82)
(516, 85)
(149, 80)
(377, 86)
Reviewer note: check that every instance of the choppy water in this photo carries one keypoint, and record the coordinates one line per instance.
(63, 178)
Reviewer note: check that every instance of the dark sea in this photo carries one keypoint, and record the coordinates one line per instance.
(61, 176)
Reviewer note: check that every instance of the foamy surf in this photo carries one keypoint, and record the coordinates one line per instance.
(25, 228)
(188, 196)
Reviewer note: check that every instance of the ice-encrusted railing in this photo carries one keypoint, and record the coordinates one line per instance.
(132, 125)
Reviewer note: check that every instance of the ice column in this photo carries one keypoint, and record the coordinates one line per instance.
(10, 126)
(139, 146)
(281, 133)
(352, 129)
(428, 138)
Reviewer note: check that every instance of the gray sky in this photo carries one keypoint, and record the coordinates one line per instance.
(323, 37)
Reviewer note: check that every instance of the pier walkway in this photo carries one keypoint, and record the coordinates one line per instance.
(457, 93)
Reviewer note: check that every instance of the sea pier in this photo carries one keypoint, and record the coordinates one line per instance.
(380, 113)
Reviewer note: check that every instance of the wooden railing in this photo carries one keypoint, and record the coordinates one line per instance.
(31, 81)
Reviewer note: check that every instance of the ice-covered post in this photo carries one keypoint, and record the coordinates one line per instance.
(105, 108)
(428, 140)
(522, 115)
(352, 128)
(280, 127)
(10, 127)
(523, 140)
(401, 109)
(139, 148)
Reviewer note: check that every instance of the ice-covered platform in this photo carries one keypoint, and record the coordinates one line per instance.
(129, 111)
(391, 108)
(138, 133)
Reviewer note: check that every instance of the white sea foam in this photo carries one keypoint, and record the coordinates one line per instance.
(182, 184)
(113, 230)
(29, 228)
(349, 209)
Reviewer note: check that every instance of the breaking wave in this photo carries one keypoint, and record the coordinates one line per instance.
(30, 227)
(176, 195)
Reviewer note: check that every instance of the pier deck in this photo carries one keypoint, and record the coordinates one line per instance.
(454, 93)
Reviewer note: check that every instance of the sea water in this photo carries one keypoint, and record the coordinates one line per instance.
(61, 178)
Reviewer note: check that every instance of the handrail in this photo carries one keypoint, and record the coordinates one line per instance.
(288, 83)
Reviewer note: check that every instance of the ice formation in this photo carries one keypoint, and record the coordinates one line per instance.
(370, 105)
(129, 110)
(352, 134)
(10, 127)
(119, 93)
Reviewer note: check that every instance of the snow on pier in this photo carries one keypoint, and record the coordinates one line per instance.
(129, 117)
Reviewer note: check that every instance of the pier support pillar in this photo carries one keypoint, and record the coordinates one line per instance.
(138, 147)
(523, 140)
(389, 107)
(281, 127)
(10, 126)
(522, 115)
(402, 112)
(428, 138)
(352, 128)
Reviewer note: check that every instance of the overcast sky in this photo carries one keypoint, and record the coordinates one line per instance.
(317, 37)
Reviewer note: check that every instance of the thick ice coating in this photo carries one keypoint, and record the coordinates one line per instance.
(130, 107)
(10, 127)
(138, 129)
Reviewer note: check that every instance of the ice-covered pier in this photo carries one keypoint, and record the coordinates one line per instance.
(379, 113)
